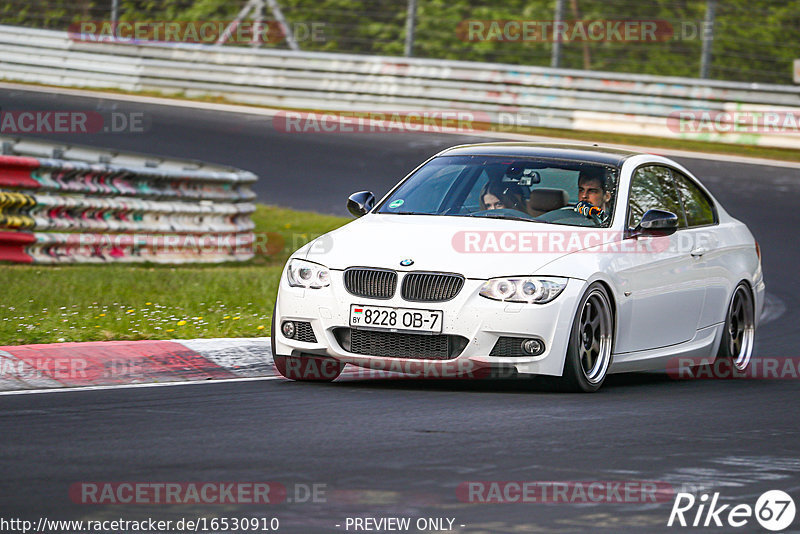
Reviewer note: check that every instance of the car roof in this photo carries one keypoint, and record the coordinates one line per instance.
(574, 152)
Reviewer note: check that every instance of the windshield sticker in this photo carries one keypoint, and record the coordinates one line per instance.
(396, 203)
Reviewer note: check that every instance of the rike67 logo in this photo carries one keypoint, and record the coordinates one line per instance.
(774, 510)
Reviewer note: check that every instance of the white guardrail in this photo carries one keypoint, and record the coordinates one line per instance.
(552, 98)
(69, 204)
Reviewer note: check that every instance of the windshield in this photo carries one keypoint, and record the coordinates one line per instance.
(534, 189)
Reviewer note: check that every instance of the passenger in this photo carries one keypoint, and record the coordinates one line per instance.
(497, 195)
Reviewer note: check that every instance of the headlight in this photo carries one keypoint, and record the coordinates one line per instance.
(533, 290)
(303, 273)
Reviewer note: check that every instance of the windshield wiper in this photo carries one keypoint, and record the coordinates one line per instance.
(506, 217)
(404, 213)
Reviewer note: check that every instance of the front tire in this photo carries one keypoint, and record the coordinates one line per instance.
(591, 341)
(736, 345)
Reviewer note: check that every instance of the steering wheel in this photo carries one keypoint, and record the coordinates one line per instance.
(566, 215)
(502, 211)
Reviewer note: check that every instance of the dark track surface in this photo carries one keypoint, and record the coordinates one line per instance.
(404, 446)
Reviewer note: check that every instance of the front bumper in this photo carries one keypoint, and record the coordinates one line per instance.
(478, 319)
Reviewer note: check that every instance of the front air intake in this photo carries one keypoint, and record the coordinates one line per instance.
(370, 283)
(431, 287)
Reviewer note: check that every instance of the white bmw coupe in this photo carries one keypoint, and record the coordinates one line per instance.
(566, 261)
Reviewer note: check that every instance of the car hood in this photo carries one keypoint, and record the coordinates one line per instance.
(474, 247)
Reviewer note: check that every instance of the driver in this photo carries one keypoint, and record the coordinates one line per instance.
(593, 195)
(496, 195)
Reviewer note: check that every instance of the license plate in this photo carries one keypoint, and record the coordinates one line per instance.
(396, 319)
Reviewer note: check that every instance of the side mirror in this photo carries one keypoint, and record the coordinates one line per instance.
(657, 223)
(361, 203)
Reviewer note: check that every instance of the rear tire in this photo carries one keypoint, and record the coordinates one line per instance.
(736, 346)
(591, 341)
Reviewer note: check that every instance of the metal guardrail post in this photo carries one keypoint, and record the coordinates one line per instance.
(411, 23)
(555, 58)
(114, 13)
(708, 38)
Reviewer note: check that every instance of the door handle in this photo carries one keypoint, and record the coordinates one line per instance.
(699, 251)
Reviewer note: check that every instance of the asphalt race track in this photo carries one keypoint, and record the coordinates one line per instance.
(401, 448)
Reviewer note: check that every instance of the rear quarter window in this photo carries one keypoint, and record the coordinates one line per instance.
(699, 208)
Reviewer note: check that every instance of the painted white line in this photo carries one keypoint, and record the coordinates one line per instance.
(131, 386)
(270, 112)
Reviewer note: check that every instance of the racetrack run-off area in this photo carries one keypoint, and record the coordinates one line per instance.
(114, 363)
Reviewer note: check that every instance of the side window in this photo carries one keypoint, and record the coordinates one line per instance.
(652, 188)
(699, 209)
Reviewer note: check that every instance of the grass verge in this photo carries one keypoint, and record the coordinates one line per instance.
(49, 304)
